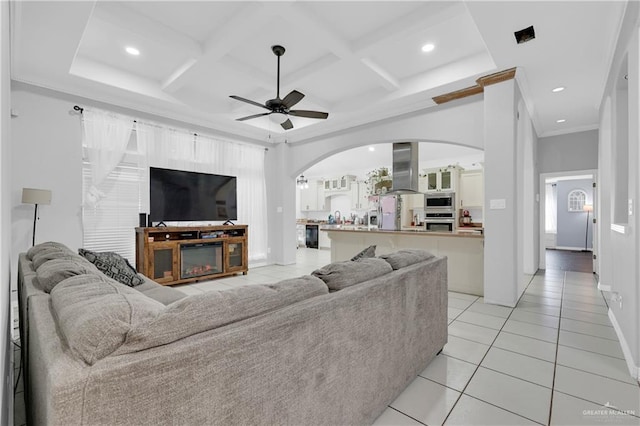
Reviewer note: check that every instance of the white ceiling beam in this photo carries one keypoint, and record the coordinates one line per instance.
(388, 81)
(178, 72)
(118, 15)
(224, 39)
(300, 16)
(405, 25)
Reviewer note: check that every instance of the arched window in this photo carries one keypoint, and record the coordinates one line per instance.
(576, 200)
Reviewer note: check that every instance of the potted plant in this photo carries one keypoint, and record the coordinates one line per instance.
(379, 181)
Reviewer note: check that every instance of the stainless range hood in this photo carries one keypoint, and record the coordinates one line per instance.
(405, 168)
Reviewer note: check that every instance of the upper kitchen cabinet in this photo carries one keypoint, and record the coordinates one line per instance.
(443, 179)
(313, 198)
(359, 196)
(342, 183)
(471, 193)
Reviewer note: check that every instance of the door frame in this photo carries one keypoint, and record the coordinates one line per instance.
(542, 204)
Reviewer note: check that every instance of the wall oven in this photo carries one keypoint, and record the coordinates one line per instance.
(439, 212)
(439, 220)
(439, 226)
(440, 200)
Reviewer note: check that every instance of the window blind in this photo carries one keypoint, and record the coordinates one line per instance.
(109, 225)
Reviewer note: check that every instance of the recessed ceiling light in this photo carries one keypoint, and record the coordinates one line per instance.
(428, 47)
(558, 89)
(562, 120)
(372, 148)
(132, 51)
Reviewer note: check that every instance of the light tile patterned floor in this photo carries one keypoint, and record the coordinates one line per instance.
(554, 359)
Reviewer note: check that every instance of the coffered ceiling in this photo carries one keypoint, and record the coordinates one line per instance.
(359, 61)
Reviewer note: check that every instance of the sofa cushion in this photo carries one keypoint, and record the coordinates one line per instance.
(47, 255)
(50, 273)
(160, 293)
(339, 275)
(197, 313)
(46, 246)
(406, 257)
(114, 266)
(366, 253)
(94, 314)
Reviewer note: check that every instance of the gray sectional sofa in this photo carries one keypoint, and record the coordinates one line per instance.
(332, 348)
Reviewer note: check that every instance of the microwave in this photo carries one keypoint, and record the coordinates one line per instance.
(440, 200)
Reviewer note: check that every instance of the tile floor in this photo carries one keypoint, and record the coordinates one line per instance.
(554, 359)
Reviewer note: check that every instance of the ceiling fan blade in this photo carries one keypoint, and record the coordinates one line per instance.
(249, 117)
(309, 114)
(238, 98)
(287, 125)
(292, 98)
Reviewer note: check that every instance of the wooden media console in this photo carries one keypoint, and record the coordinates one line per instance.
(183, 254)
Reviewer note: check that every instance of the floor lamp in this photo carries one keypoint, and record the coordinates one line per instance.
(35, 196)
(587, 208)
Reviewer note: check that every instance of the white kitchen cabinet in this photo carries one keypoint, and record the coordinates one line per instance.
(471, 192)
(443, 179)
(323, 202)
(313, 197)
(323, 240)
(359, 194)
(339, 184)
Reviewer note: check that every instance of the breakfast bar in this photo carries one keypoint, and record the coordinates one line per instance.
(464, 250)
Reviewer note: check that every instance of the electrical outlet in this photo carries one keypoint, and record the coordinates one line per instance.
(616, 298)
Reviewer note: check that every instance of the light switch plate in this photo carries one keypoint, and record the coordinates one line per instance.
(498, 204)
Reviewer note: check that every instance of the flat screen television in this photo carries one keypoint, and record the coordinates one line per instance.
(178, 195)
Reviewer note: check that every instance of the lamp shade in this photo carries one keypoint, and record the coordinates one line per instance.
(36, 196)
(587, 207)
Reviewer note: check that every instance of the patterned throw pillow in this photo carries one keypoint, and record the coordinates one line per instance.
(114, 266)
(368, 252)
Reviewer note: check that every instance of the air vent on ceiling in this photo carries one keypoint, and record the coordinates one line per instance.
(525, 35)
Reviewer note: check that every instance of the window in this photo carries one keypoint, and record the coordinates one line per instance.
(577, 199)
(110, 219)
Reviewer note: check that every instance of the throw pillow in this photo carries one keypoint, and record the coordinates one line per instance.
(368, 252)
(114, 266)
(406, 257)
(339, 275)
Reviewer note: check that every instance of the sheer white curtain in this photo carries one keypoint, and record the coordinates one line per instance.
(247, 164)
(106, 136)
(551, 208)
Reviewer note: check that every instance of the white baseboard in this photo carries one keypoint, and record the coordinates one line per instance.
(603, 287)
(633, 369)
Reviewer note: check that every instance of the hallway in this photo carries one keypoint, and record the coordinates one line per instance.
(568, 260)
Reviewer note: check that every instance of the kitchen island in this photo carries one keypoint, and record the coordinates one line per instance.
(465, 251)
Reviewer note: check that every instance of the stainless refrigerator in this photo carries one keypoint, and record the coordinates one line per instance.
(390, 208)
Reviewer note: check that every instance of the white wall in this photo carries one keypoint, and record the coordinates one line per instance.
(572, 226)
(621, 270)
(502, 254)
(46, 154)
(6, 389)
(568, 152)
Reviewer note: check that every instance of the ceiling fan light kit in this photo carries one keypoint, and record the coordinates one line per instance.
(279, 109)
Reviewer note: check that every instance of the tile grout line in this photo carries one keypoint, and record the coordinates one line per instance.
(555, 360)
(480, 362)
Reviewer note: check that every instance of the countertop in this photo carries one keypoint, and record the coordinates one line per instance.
(405, 231)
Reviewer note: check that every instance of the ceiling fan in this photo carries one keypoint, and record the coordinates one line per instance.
(281, 108)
